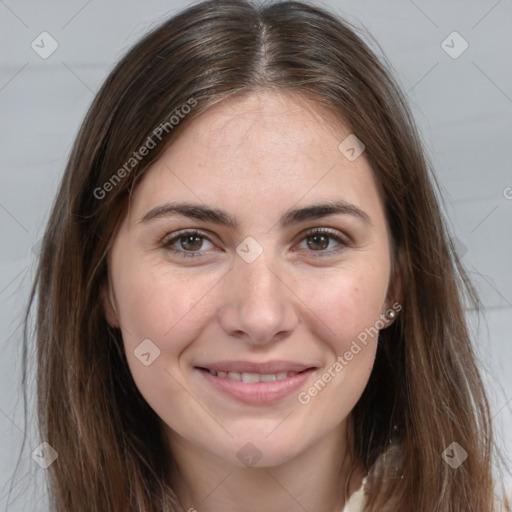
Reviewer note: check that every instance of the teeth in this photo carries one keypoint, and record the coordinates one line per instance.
(251, 378)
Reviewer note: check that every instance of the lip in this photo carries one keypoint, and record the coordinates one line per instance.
(256, 392)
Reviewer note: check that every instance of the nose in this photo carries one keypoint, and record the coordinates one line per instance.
(258, 305)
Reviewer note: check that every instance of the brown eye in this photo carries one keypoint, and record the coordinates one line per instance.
(190, 242)
(318, 242)
(186, 243)
(324, 241)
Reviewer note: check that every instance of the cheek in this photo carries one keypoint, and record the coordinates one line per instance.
(347, 302)
(153, 301)
(159, 315)
(347, 306)
(348, 320)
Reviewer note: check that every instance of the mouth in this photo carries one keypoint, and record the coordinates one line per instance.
(256, 383)
(251, 378)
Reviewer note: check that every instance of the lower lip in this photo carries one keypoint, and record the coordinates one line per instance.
(257, 392)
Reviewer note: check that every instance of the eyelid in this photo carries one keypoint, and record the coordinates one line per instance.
(169, 237)
(334, 233)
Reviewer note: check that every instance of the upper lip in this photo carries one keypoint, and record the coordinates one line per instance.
(253, 367)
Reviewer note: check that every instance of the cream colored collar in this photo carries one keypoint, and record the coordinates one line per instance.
(357, 500)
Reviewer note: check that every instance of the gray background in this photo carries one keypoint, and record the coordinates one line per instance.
(463, 106)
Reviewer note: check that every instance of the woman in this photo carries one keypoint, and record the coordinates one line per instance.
(247, 296)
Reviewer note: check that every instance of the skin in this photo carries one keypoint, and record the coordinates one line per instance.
(254, 157)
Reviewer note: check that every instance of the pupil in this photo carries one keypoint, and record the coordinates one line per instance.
(319, 239)
(190, 241)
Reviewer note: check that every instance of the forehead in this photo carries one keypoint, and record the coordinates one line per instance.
(273, 124)
(262, 152)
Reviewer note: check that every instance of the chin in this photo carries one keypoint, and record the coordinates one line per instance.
(260, 451)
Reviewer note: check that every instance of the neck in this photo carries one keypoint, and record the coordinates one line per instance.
(314, 479)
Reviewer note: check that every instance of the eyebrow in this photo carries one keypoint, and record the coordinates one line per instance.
(289, 218)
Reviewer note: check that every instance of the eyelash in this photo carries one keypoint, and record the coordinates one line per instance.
(168, 242)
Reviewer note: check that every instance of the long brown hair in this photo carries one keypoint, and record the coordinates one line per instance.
(425, 391)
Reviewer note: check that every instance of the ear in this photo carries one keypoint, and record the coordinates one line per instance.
(395, 294)
(109, 307)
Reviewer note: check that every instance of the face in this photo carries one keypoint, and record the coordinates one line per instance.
(248, 312)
